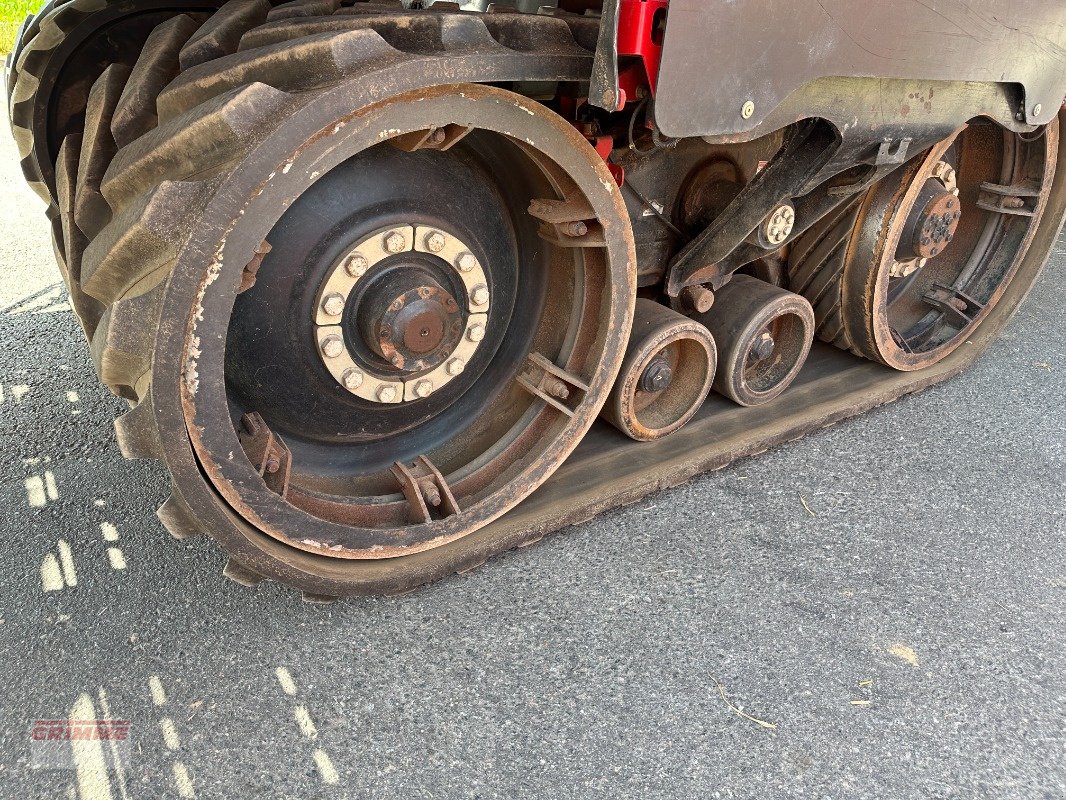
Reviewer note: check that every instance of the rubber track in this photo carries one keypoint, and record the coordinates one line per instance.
(816, 266)
(144, 171)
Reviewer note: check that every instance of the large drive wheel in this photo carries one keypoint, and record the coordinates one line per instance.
(359, 318)
(905, 273)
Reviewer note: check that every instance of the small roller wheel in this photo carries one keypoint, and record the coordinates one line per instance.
(666, 373)
(763, 333)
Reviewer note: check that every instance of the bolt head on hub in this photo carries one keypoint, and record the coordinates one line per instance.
(466, 262)
(747, 111)
(395, 242)
(435, 241)
(456, 366)
(356, 265)
(476, 333)
(352, 378)
(332, 346)
(656, 376)
(386, 394)
(423, 389)
(333, 304)
(480, 294)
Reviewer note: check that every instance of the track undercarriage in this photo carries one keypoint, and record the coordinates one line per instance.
(388, 294)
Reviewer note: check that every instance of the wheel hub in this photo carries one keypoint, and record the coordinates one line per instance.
(936, 225)
(401, 313)
(413, 328)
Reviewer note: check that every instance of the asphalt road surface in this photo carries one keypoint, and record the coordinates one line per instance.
(902, 638)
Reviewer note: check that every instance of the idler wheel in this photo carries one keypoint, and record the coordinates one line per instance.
(763, 334)
(666, 373)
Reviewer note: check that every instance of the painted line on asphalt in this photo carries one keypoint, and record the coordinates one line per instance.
(114, 553)
(182, 777)
(326, 770)
(41, 489)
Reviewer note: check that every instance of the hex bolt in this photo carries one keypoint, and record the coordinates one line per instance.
(456, 366)
(575, 229)
(386, 394)
(356, 265)
(476, 332)
(438, 136)
(779, 224)
(656, 376)
(395, 242)
(273, 464)
(423, 389)
(1037, 109)
(466, 262)
(763, 347)
(332, 346)
(435, 241)
(480, 294)
(747, 111)
(352, 379)
(333, 304)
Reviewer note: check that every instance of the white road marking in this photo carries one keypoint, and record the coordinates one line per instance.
(35, 495)
(114, 554)
(116, 759)
(40, 489)
(170, 734)
(72, 397)
(182, 778)
(304, 722)
(325, 767)
(155, 686)
(66, 561)
(18, 391)
(288, 685)
(184, 781)
(326, 770)
(51, 577)
(89, 762)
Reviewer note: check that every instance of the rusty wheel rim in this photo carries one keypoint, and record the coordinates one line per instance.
(936, 245)
(552, 395)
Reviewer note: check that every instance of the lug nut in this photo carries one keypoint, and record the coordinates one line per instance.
(466, 262)
(352, 379)
(423, 389)
(332, 346)
(395, 243)
(480, 294)
(476, 333)
(386, 394)
(763, 346)
(456, 366)
(356, 265)
(333, 304)
(435, 241)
